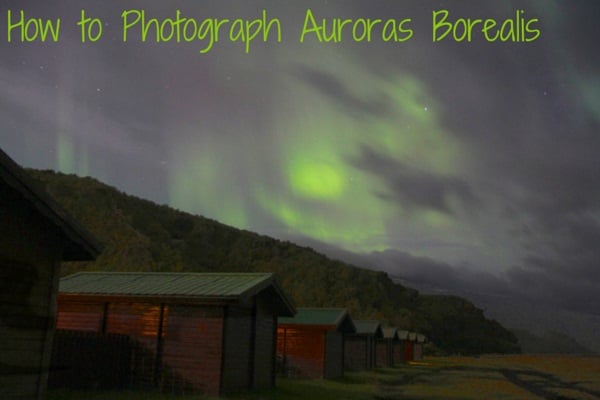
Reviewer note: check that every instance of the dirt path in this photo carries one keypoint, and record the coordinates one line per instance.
(540, 384)
(485, 379)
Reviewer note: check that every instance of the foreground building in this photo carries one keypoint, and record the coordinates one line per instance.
(216, 332)
(36, 235)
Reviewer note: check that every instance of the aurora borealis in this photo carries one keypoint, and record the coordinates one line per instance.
(466, 166)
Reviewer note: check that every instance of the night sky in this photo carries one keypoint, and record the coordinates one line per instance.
(461, 165)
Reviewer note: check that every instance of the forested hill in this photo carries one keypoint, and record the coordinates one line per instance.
(139, 235)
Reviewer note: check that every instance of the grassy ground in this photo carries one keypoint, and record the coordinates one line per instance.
(519, 377)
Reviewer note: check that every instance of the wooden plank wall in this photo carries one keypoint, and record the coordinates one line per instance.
(418, 351)
(334, 354)
(383, 350)
(302, 351)
(192, 349)
(185, 359)
(408, 350)
(356, 353)
(398, 346)
(85, 360)
(238, 359)
(264, 357)
(84, 317)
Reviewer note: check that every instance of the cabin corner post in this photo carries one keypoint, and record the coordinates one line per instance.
(325, 353)
(159, 347)
(104, 322)
(223, 348)
(252, 349)
(45, 360)
(274, 352)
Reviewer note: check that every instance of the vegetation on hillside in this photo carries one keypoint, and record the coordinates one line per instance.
(139, 235)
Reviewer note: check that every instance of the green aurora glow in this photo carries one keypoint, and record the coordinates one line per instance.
(310, 186)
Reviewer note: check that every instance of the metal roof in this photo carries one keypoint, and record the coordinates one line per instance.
(335, 317)
(368, 327)
(216, 286)
(80, 245)
(403, 335)
(390, 333)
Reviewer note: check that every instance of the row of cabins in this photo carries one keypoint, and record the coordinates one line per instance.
(217, 333)
(325, 342)
(226, 332)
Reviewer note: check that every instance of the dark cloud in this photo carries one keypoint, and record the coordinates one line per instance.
(436, 276)
(413, 187)
(338, 92)
(540, 286)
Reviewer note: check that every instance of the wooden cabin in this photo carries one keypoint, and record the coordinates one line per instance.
(215, 332)
(359, 347)
(409, 346)
(418, 346)
(311, 344)
(400, 346)
(36, 235)
(385, 347)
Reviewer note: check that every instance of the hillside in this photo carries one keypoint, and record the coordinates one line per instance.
(139, 235)
(549, 343)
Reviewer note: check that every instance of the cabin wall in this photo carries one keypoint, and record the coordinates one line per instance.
(302, 351)
(188, 356)
(192, 346)
(408, 350)
(383, 353)
(398, 351)
(30, 250)
(371, 352)
(84, 359)
(417, 351)
(238, 360)
(138, 320)
(84, 317)
(356, 352)
(334, 354)
(264, 352)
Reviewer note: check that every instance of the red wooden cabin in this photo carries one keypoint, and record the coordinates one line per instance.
(215, 331)
(311, 344)
(409, 346)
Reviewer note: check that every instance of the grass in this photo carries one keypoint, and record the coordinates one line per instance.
(60, 394)
(519, 377)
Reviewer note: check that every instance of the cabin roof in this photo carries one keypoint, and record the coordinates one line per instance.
(335, 318)
(368, 327)
(174, 285)
(403, 335)
(80, 245)
(390, 333)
